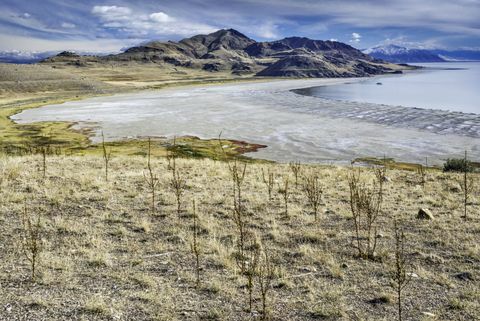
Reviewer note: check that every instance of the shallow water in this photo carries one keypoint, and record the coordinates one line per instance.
(295, 127)
(445, 86)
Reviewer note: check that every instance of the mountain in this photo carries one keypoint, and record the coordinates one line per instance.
(229, 51)
(398, 54)
(23, 57)
(458, 55)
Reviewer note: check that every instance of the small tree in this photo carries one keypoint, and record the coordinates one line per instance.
(284, 191)
(106, 156)
(195, 246)
(150, 178)
(31, 239)
(265, 276)
(44, 151)
(269, 181)
(296, 169)
(178, 183)
(365, 204)
(400, 277)
(467, 185)
(251, 270)
(313, 190)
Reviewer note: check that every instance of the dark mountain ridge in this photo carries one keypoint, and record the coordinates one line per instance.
(230, 51)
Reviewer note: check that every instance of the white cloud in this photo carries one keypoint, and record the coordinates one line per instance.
(267, 30)
(333, 39)
(355, 37)
(108, 13)
(161, 17)
(26, 15)
(132, 24)
(68, 25)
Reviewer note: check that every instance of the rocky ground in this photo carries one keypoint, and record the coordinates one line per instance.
(105, 255)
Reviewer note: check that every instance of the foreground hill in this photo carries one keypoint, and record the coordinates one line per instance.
(106, 256)
(229, 51)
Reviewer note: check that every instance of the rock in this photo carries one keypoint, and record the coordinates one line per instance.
(344, 266)
(413, 275)
(455, 188)
(307, 269)
(428, 314)
(424, 214)
(464, 276)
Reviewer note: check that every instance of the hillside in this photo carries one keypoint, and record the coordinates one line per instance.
(105, 255)
(399, 54)
(229, 51)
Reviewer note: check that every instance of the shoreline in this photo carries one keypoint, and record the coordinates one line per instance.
(269, 97)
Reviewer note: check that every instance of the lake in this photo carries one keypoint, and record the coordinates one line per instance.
(294, 127)
(447, 86)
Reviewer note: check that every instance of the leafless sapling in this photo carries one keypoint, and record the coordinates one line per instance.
(150, 177)
(195, 246)
(269, 182)
(467, 185)
(365, 205)
(251, 269)
(296, 169)
(178, 183)
(285, 192)
(265, 275)
(107, 154)
(31, 239)
(400, 276)
(313, 190)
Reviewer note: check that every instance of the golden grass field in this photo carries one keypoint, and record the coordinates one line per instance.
(106, 256)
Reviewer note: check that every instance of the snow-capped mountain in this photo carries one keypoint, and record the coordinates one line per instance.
(23, 57)
(398, 54)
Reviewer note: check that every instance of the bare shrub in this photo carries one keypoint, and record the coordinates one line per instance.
(31, 239)
(314, 191)
(107, 154)
(269, 182)
(284, 191)
(178, 183)
(251, 270)
(150, 178)
(365, 205)
(400, 276)
(467, 184)
(265, 275)
(296, 168)
(195, 246)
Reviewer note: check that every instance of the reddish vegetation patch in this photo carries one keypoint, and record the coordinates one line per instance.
(244, 147)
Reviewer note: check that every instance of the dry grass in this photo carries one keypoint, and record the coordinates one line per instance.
(107, 257)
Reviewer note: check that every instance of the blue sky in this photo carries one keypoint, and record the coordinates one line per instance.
(110, 25)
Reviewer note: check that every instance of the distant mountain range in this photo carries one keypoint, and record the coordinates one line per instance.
(398, 54)
(229, 51)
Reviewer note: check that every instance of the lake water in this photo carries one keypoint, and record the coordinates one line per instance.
(448, 86)
(293, 126)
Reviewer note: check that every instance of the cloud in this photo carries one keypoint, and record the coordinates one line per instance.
(268, 30)
(68, 25)
(111, 13)
(161, 17)
(132, 24)
(355, 37)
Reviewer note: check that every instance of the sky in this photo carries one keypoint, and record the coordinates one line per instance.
(113, 25)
